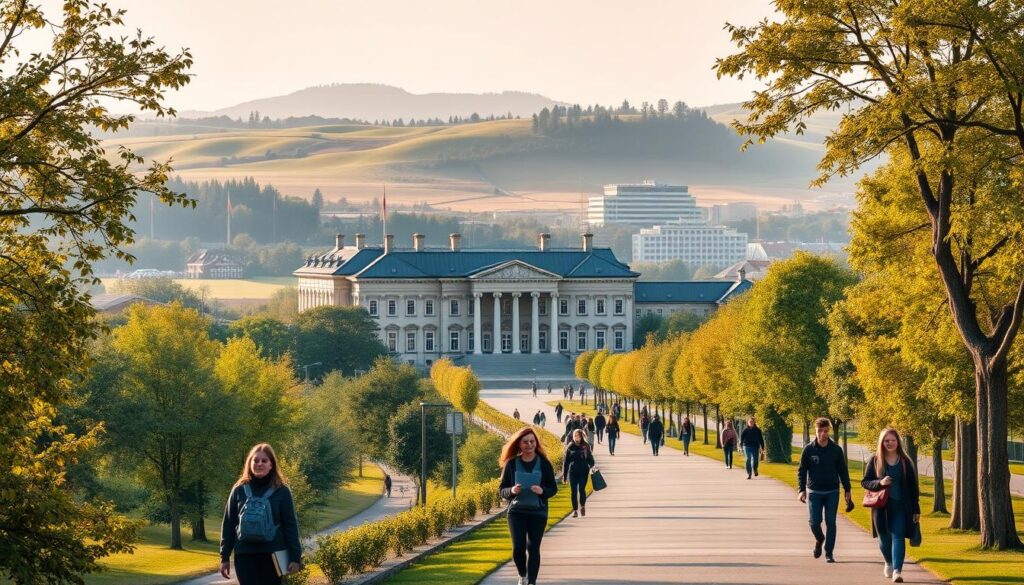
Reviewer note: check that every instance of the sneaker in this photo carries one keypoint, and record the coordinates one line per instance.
(575, 514)
(829, 558)
(522, 581)
(817, 548)
(748, 476)
(897, 577)
(756, 473)
(887, 570)
(583, 511)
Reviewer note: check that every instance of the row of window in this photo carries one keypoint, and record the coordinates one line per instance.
(454, 306)
(455, 338)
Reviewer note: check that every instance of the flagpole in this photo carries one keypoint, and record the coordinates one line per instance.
(229, 222)
(384, 216)
(152, 212)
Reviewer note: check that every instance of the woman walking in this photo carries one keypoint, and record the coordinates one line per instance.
(259, 520)
(612, 429)
(655, 432)
(591, 428)
(686, 434)
(645, 421)
(891, 469)
(527, 483)
(729, 439)
(576, 466)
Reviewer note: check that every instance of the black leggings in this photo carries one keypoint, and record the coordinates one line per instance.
(527, 531)
(255, 569)
(578, 490)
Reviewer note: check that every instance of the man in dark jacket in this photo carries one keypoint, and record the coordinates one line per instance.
(599, 424)
(752, 441)
(655, 432)
(822, 469)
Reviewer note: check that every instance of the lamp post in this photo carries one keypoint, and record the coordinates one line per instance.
(306, 367)
(423, 446)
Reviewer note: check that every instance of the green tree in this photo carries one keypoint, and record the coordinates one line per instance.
(478, 457)
(273, 337)
(341, 338)
(403, 440)
(368, 402)
(648, 324)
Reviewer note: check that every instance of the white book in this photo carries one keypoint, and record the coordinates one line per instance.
(281, 562)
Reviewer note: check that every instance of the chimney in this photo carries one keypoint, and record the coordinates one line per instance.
(339, 241)
(741, 274)
(453, 240)
(588, 242)
(360, 240)
(543, 241)
(389, 243)
(417, 242)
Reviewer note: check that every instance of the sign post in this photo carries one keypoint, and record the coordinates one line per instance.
(453, 426)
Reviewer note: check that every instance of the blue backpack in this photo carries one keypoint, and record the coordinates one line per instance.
(256, 518)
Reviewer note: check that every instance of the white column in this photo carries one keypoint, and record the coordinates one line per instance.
(496, 339)
(515, 322)
(445, 306)
(630, 317)
(535, 324)
(553, 334)
(478, 341)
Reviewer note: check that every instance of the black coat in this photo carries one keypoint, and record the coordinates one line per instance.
(613, 430)
(577, 461)
(655, 429)
(911, 496)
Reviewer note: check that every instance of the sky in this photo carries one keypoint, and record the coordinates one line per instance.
(580, 51)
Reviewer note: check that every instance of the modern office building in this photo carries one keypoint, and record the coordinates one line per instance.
(643, 205)
(731, 212)
(695, 243)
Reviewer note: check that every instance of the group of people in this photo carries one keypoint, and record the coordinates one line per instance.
(540, 419)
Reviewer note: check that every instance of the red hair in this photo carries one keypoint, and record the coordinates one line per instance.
(511, 448)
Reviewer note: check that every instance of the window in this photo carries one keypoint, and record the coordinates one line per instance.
(428, 308)
(392, 341)
(506, 341)
(542, 306)
(563, 306)
(471, 341)
(638, 313)
(453, 307)
(620, 307)
(392, 308)
(600, 340)
(506, 307)
(428, 341)
(542, 341)
(620, 340)
(371, 306)
(524, 342)
(581, 306)
(410, 341)
(600, 306)
(660, 312)
(410, 308)
(453, 341)
(471, 308)
(581, 341)
(486, 342)
(563, 341)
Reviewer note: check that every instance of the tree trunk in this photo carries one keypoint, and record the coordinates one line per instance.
(911, 445)
(199, 528)
(778, 435)
(965, 477)
(939, 505)
(846, 444)
(175, 512)
(998, 529)
(807, 431)
(718, 427)
(705, 409)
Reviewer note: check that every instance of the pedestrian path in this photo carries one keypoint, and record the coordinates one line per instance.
(676, 519)
(403, 497)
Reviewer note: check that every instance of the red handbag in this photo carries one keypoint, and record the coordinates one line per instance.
(876, 499)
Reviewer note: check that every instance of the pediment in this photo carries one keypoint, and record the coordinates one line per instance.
(514, 270)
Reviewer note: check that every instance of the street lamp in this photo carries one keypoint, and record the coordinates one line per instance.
(306, 367)
(423, 446)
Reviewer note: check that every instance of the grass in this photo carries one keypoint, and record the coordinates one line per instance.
(952, 554)
(153, 563)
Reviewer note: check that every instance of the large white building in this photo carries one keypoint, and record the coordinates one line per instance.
(696, 243)
(452, 301)
(643, 204)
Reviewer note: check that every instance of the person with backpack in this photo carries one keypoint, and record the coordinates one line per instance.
(752, 441)
(613, 433)
(656, 432)
(527, 483)
(729, 440)
(892, 470)
(558, 411)
(600, 422)
(686, 434)
(259, 521)
(576, 465)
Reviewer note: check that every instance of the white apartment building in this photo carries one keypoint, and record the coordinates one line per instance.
(643, 204)
(731, 212)
(695, 243)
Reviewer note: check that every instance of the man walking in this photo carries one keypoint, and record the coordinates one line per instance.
(822, 469)
(655, 432)
(599, 424)
(534, 389)
(558, 411)
(752, 440)
(387, 485)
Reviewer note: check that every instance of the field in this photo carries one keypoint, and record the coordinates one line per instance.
(225, 289)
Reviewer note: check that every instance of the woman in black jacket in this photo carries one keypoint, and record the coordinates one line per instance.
(613, 433)
(891, 469)
(254, 563)
(523, 460)
(576, 466)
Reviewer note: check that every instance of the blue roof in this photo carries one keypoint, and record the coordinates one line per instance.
(692, 291)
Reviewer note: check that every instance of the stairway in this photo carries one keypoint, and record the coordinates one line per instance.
(523, 368)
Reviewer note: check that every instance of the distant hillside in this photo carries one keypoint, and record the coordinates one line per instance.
(367, 101)
(818, 127)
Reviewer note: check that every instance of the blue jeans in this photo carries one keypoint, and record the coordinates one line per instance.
(893, 543)
(817, 502)
(752, 454)
(728, 455)
(611, 443)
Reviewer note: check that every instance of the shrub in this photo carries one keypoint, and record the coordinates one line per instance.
(478, 458)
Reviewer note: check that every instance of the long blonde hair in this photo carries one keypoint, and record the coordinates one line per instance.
(880, 451)
(276, 477)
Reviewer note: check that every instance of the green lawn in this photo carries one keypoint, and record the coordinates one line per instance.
(153, 563)
(951, 554)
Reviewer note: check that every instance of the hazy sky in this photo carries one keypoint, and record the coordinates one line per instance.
(574, 50)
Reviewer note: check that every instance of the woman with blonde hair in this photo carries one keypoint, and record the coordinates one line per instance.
(891, 469)
(259, 521)
(527, 483)
(576, 465)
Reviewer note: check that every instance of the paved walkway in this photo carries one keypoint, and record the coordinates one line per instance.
(398, 502)
(676, 519)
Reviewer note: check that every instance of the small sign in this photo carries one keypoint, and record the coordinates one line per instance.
(453, 423)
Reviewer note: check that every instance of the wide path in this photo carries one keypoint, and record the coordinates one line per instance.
(676, 519)
(403, 496)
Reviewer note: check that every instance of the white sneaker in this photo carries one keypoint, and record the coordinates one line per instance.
(522, 581)
(897, 577)
(887, 570)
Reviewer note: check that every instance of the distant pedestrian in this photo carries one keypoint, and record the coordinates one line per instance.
(571, 391)
(543, 420)
(558, 411)
(515, 414)
(686, 434)
(655, 433)
(600, 422)
(387, 485)
(534, 389)
(617, 410)
(527, 483)
(260, 487)
(644, 423)
(752, 440)
(822, 469)
(591, 428)
(890, 468)
(583, 394)
(549, 387)
(729, 440)
(576, 465)
(613, 433)
(570, 426)
(536, 418)
(565, 391)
